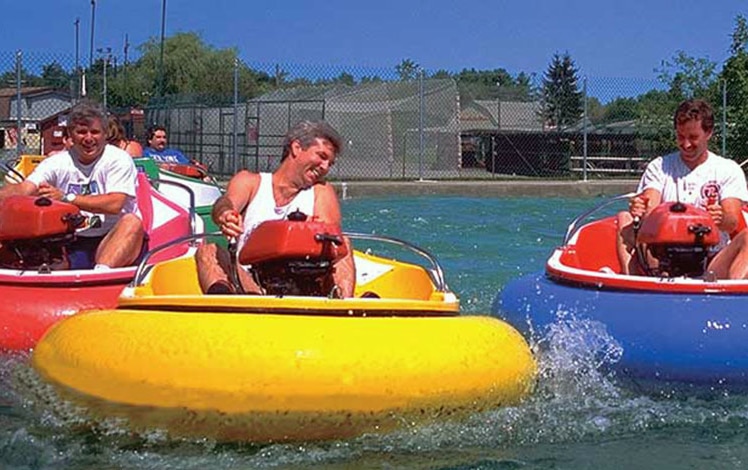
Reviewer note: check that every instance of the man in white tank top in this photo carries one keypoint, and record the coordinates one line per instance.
(101, 180)
(696, 176)
(309, 150)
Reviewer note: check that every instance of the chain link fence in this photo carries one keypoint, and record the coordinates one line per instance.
(397, 124)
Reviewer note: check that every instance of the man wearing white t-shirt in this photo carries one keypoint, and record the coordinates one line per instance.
(695, 176)
(101, 180)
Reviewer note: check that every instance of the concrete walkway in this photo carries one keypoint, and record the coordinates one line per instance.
(550, 188)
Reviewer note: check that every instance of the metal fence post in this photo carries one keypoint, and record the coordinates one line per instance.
(584, 134)
(421, 99)
(724, 118)
(235, 147)
(19, 132)
(77, 90)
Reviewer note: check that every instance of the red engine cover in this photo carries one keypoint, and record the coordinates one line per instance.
(286, 239)
(189, 170)
(676, 223)
(23, 217)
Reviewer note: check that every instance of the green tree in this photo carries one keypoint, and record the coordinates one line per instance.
(407, 70)
(344, 78)
(190, 67)
(494, 84)
(441, 73)
(621, 109)
(739, 35)
(55, 76)
(655, 120)
(735, 76)
(688, 77)
(8, 79)
(562, 100)
(371, 79)
(481, 84)
(595, 110)
(526, 86)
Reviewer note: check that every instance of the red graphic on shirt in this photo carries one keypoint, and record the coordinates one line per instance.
(710, 192)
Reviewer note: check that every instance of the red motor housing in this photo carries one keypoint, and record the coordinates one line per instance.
(675, 223)
(28, 217)
(680, 237)
(191, 170)
(288, 239)
(295, 256)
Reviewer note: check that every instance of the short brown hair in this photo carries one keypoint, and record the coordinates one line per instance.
(695, 110)
(306, 132)
(152, 132)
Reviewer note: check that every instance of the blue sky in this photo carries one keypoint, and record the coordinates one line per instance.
(605, 38)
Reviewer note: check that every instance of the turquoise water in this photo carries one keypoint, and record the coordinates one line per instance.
(578, 418)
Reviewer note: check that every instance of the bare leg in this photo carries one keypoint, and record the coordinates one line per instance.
(344, 274)
(732, 261)
(625, 242)
(214, 264)
(122, 245)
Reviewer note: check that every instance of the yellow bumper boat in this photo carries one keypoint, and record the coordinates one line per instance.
(284, 368)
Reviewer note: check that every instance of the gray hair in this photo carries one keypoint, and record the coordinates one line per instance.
(306, 132)
(85, 113)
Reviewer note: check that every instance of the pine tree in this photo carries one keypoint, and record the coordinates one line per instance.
(562, 100)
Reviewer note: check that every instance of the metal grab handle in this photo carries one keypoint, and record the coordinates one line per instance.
(436, 273)
(142, 269)
(12, 172)
(574, 226)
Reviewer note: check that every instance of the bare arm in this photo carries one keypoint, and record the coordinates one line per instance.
(227, 209)
(643, 203)
(327, 209)
(111, 203)
(24, 188)
(726, 213)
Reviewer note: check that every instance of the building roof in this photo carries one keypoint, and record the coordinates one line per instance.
(26, 91)
(7, 95)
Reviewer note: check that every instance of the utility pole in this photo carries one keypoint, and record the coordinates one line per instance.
(124, 64)
(93, 21)
(126, 48)
(77, 93)
(161, 59)
(107, 56)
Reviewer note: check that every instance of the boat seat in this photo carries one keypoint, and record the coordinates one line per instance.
(162, 218)
(595, 247)
(741, 222)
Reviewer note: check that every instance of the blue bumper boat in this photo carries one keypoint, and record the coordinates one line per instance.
(675, 332)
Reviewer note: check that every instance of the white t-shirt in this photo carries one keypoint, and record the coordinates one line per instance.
(718, 177)
(262, 207)
(113, 172)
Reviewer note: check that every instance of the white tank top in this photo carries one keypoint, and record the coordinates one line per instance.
(262, 207)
